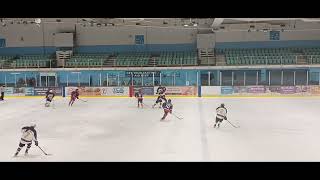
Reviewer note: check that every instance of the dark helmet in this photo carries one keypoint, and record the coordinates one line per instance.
(222, 105)
(169, 100)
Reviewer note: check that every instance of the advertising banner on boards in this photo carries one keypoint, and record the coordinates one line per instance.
(99, 91)
(180, 90)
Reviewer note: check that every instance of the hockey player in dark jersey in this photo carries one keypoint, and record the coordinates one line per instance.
(2, 90)
(162, 97)
(29, 134)
(161, 89)
(74, 96)
(167, 108)
(139, 96)
(49, 97)
(221, 115)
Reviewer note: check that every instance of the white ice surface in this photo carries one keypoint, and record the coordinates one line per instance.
(110, 129)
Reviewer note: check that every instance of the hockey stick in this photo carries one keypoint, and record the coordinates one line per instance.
(44, 152)
(45, 99)
(177, 116)
(83, 100)
(53, 105)
(146, 105)
(232, 124)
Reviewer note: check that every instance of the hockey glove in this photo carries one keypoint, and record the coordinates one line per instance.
(36, 143)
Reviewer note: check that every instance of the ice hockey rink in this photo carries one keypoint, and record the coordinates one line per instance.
(113, 129)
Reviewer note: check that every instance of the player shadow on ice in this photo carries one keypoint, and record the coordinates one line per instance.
(22, 156)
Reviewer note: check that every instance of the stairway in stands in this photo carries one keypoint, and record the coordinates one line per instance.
(152, 61)
(301, 58)
(110, 61)
(220, 60)
(206, 57)
(8, 64)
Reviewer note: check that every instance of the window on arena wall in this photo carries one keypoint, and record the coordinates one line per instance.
(238, 78)
(139, 39)
(251, 78)
(263, 77)
(113, 79)
(226, 78)
(204, 78)
(314, 78)
(275, 76)
(214, 79)
(147, 79)
(301, 77)
(167, 78)
(124, 80)
(288, 78)
(2, 43)
(274, 35)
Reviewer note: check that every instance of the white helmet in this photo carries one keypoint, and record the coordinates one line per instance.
(51, 90)
(33, 124)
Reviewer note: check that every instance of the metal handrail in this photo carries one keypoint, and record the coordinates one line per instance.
(308, 59)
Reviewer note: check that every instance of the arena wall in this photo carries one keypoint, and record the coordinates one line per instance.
(31, 39)
(186, 82)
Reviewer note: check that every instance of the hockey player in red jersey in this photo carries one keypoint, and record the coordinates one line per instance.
(139, 96)
(167, 108)
(74, 96)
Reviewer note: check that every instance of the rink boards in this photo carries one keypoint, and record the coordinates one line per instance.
(172, 91)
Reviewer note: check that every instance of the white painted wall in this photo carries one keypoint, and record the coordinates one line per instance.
(86, 36)
(300, 35)
(261, 36)
(51, 29)
(206, 41)
(241, 36)
(125, 35)
(32, 35)
(171, 36)
(21, 35)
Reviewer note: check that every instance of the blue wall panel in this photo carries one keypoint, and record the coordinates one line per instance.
(26, 50)
(267, 44)
(101, 49)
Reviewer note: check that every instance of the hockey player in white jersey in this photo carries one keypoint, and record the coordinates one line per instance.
(221, 115)
(49, 97)
(29, 134)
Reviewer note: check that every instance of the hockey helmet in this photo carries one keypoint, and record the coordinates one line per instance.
(222, 105)
(33, 124)
(51, 90)
(169, 100)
